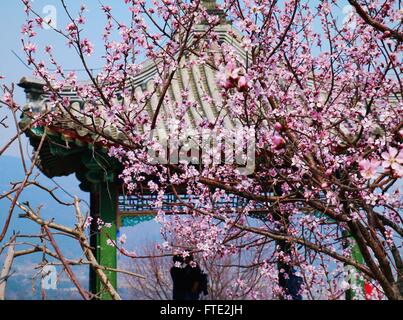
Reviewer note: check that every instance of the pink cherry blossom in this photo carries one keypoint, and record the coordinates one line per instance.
(80, 20)
(242, 83)
(30, 47)
(393, 158)
(229, 76)
(278, 142)
(123, 238)
(368, 168)
(71, 27)
(88, 222)
(7, 98)
(87, 47)
(278, 127)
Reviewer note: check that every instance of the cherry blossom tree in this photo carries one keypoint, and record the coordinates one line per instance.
(324, 100)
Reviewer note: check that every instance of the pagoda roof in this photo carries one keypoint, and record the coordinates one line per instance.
(198, 79)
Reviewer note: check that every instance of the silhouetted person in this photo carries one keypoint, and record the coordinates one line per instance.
(178, 278)
(291, 283)
(186, 278)
(192, 279)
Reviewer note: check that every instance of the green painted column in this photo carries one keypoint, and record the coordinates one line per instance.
(99, 178)
(108, 199)
(355, 277)
(106, 254)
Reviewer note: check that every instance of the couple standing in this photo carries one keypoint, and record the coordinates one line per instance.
(187, 278)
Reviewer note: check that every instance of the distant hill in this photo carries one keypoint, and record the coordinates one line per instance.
(20, 284)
